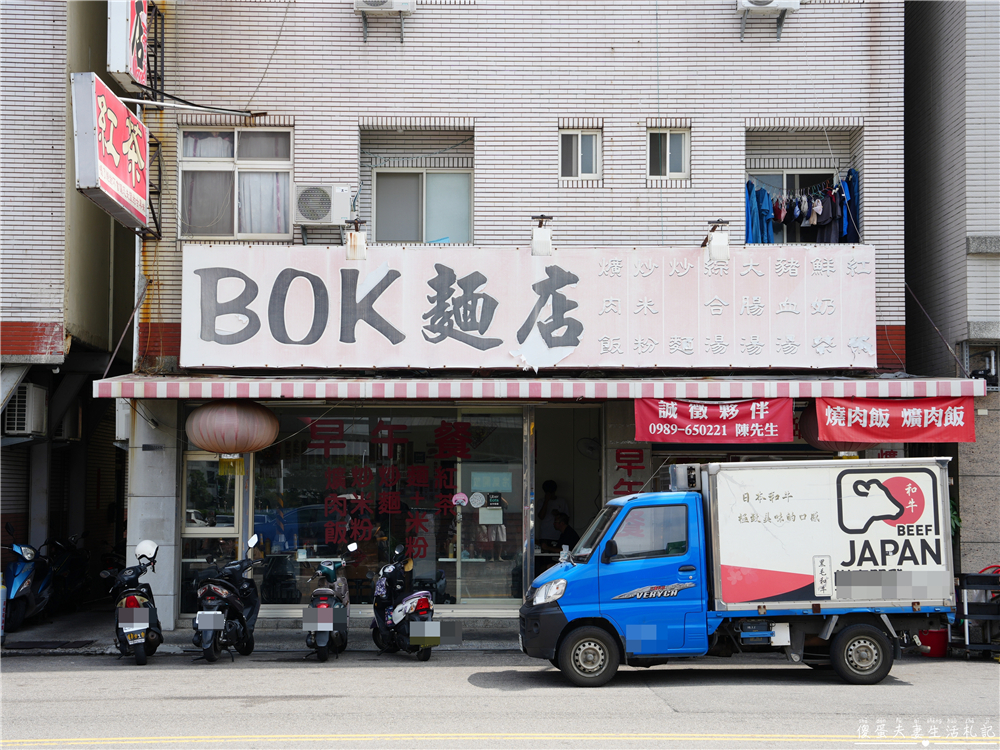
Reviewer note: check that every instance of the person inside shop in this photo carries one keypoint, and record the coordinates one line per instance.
(551, 504)
(567, 536)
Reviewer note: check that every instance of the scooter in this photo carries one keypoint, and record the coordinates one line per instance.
(137, 628)
(332, 599)
(229, 605)
(69, 570)
(29, 584)
(402, 622)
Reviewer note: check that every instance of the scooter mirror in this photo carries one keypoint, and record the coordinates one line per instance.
(370, 575)
(10, 529)
(252, 542)
(399, 549)
(105, 574)
(210, 558)
(352, 547)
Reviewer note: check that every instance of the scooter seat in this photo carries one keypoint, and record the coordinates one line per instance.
(324, 592)
(417, 594)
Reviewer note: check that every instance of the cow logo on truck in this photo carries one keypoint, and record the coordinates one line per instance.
(655, 592)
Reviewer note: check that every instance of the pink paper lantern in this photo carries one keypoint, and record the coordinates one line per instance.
(232, 426)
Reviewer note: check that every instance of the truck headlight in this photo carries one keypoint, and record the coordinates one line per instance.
(550, 591)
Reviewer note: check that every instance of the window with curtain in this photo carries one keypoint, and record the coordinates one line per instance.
(236, 183)
(432, 206)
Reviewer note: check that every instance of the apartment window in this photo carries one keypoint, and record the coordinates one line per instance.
(236, 183)
(423, 205)
(580, 154)
(670, 154)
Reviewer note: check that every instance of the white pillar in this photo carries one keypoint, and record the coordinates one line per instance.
(153, 496)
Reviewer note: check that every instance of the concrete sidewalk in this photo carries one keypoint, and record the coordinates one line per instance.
(96, 626)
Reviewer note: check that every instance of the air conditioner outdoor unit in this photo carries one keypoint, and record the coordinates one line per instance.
(27, 411)
(322, 205)
(405, 7)
(766, 7)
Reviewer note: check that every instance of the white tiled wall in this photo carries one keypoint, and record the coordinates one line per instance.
(511, 71)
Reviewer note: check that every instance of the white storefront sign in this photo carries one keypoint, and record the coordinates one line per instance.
(255, 306)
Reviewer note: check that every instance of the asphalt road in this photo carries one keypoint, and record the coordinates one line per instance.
(485, 700)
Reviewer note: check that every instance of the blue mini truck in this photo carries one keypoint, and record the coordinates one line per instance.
(834, 563)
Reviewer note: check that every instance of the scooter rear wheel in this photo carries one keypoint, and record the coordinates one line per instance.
(424, 654)
(322, 653)
(212, 650)
(139, 650)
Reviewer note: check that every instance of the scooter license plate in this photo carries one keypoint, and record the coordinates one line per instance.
(136, 637)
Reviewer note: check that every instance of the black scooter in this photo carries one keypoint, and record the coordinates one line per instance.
(137, 628)
(228, 608)
(335, 599)
(402, 622)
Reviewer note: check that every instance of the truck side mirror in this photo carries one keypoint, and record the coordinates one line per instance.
(610, 550)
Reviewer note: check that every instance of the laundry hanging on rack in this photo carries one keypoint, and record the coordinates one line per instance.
(830, 207)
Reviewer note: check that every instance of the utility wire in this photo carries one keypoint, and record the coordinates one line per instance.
(931, 320)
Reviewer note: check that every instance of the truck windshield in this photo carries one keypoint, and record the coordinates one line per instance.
(592, 536)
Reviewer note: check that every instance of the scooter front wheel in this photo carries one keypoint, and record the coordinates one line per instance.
(15, 614)
(424, 654)
(245, 647)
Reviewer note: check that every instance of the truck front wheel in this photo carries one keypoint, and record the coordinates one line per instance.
(589, 657)
(861, 655)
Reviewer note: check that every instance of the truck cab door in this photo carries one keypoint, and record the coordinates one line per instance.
(653, 589)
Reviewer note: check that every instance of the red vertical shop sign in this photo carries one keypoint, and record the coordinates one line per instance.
(112, 152)
(750, 421)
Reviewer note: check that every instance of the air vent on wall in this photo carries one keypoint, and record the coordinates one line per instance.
(322, 205)
(406, 7)
(26, 412)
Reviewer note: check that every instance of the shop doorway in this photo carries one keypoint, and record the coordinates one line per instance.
(567, 455)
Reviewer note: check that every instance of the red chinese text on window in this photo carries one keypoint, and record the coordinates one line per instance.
(416, 547)
(325, 434)
(416, 523)
(388, 502)
(390, 440)
(418, 476)
(626, 487)
(334, 506)
(388, 476)
(361, 529)
(362, 475)
(335, 533)
(444, 505)
(629, 460)
(361, 504)
(444, 479)
(453, 440)
(336, 478)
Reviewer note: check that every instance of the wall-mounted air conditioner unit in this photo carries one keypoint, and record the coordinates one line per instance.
(406, 7)
(322, 205)
(766, 7)
(27, 411)
(70, 428)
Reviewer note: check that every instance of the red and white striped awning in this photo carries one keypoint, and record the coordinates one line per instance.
(275, 388)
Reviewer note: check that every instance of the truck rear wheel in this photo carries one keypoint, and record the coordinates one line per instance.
(589, 657)
(861, 655)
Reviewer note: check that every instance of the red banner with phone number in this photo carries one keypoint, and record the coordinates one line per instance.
(763, 420)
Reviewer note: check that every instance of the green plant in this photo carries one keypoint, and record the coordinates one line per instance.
(956, 521)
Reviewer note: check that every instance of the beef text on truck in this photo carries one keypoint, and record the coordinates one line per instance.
(834, 563)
